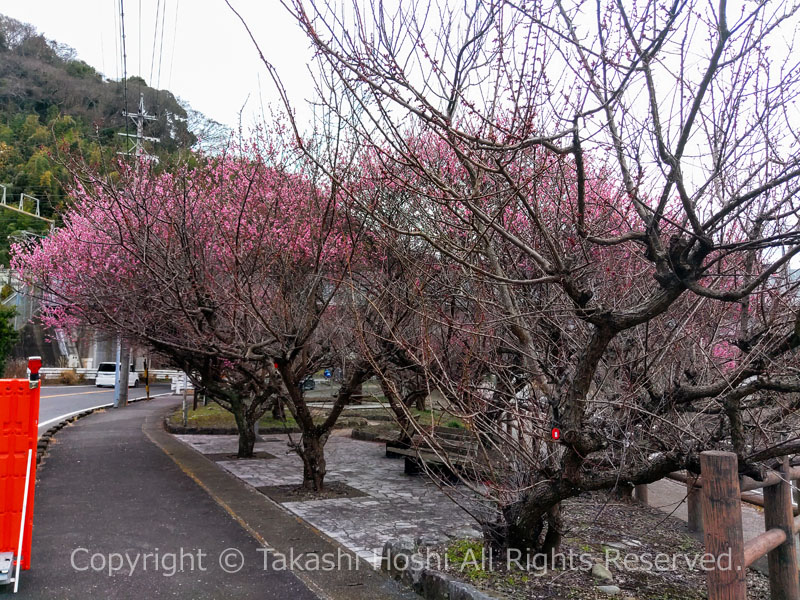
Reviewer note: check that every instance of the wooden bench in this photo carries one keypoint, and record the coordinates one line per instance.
(462, 450)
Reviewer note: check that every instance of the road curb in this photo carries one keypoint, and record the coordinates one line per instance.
(281, 532)
(403, 560)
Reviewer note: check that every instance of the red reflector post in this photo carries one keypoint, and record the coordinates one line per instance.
(34, 365)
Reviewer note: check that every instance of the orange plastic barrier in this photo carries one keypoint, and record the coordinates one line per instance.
(19, 430)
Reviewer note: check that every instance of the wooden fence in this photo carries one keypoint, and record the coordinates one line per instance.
(715, 508)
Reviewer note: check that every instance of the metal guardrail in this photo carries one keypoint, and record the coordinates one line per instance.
(181, 382)
(55, 373)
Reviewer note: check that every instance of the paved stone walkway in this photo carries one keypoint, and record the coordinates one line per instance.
(395, 504)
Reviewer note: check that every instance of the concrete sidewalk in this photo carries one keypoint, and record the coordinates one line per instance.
(116, 518)
(285, 534)
(670, 497)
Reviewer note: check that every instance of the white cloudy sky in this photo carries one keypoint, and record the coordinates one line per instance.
(207, 59)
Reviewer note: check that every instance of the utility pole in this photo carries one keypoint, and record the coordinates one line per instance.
(123, 374)
(137, 151)
(138, 139)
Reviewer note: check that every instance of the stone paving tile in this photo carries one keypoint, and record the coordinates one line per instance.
(396, 504)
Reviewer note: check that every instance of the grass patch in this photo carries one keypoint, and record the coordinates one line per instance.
(423, 417)
(214, 416)
(467, 557)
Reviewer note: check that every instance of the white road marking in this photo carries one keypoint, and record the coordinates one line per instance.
(57, 387)
(77, 412)
(74, 394)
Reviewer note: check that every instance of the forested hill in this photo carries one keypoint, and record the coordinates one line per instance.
(50, 99)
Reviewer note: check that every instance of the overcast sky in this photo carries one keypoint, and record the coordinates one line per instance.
(207, 58)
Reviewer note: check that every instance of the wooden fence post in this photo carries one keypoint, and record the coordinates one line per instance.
(796, 492)
(694, 506)
(722, 525)
(783, 581)
(640, 493)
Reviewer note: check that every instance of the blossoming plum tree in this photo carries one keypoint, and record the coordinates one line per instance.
(228, 268)
(618, 185)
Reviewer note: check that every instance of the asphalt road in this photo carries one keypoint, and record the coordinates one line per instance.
(115, 517)
(62, 400)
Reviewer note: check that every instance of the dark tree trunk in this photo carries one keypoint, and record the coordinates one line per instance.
(403, 419)
(738, 439)
(623, 491)
(357, 395)
(311, 448)
(555, 525)
(417, 398)
(535, 529)
(527, 528)
(278, 411)
(533, 523)
(247, 431)
(313, 455)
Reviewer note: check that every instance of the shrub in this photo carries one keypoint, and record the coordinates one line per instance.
(16, 369)
(69, 377)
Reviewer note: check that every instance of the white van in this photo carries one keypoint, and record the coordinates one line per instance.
(107, 375)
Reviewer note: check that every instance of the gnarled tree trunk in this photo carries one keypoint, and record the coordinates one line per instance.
(311, 447)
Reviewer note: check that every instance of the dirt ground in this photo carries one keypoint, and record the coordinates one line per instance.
(649, 555)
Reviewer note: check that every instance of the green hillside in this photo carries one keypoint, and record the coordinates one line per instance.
(52, 102)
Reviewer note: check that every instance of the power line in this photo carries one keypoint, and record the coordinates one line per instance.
(124, 62)
(161, 47)
(157, 85)
(102, 55)
(155, 40)
(140, 38)
(117, 57)
(37, 215)
(174, 39)
(139, 83)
